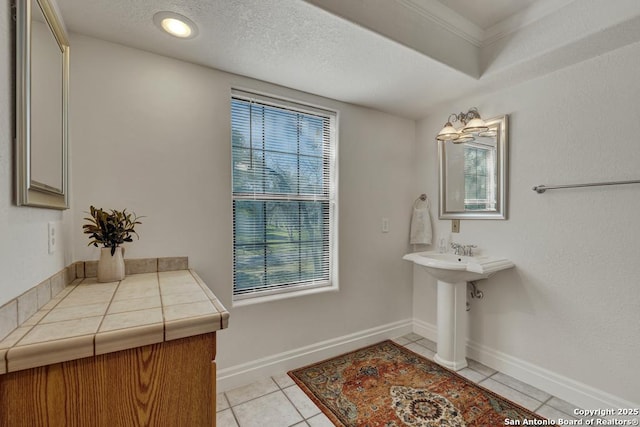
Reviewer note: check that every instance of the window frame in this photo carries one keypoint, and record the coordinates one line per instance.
(293, 289)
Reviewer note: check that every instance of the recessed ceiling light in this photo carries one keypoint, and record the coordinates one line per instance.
(176, 25)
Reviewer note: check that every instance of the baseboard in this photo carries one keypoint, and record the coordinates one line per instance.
(580, 394)
(425, 329)
(238, 375)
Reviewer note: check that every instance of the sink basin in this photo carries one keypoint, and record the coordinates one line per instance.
(453, 272)
(458, 268)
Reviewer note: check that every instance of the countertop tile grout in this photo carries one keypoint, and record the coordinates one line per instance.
(204, 319)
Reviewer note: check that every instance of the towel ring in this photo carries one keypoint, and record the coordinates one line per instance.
(423, 198)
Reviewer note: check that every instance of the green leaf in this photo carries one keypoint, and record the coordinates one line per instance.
(110, 228)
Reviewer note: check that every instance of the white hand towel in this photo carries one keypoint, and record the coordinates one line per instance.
(421, 233)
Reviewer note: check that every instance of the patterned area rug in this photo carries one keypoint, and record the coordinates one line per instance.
(389, 386)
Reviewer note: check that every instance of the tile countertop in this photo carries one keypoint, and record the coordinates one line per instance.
(89, 318)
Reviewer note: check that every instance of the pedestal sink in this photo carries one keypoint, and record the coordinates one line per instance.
(453, 272)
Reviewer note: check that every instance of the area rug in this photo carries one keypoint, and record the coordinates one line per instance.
(387, 385)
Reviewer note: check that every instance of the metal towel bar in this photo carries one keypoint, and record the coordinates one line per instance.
(542, 188)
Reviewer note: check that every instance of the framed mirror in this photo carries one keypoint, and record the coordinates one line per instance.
(474, 174)
(42, 94)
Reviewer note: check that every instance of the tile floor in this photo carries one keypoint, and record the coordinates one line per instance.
(279, 402)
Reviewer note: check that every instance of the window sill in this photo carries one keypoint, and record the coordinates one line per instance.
(284, 295)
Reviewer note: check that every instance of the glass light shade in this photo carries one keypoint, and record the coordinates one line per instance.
(475, 125)
(448, 133)
(465, 137)
(176, 25)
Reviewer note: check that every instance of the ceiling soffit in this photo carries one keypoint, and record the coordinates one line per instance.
(404, 57)
(543, 27)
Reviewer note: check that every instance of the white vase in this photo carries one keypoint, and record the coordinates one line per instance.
(111, 267)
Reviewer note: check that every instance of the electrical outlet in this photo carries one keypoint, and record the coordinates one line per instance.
(52, 237)
(385, 225)
(455, 225)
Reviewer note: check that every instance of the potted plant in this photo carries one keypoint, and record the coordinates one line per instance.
(110, 229)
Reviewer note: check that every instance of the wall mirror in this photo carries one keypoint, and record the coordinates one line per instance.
(474, 174)
(42, 93)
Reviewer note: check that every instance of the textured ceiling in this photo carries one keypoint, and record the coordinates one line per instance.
(399, 56)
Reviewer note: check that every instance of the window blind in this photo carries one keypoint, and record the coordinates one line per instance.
(283, 196)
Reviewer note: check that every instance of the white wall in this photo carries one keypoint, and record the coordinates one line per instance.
(24, 257)
(152, 134)
(571, 306)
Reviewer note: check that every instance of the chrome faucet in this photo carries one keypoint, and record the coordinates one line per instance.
(466, 250)
(458, 249)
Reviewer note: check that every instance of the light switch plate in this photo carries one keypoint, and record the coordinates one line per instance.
(455, 225)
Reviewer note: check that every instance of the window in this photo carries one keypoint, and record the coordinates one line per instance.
(479, 177)
(284, 197)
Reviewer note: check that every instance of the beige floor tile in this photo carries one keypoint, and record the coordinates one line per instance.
(270, 410)
(320, 420)
(261, 403)
(283, 380)
(221, 402)
(513, 395)
(422, 351)
(251, 391)
(483, 369)
(521, 386)
(301, 401)
(472, 375)
(225, 419)
(413, 337)
(431, 345)
(552, 413)
(401, 340)
(562, 405)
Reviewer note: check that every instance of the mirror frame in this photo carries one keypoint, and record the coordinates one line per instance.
(28, 191)
(502, 139)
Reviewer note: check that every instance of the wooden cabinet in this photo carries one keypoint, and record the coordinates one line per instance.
(171, 384)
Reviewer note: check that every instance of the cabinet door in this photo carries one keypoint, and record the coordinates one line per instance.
(166, 384)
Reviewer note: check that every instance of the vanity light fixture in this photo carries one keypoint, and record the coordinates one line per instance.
(176, 25)
(472, 123)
